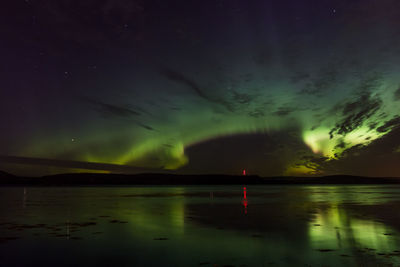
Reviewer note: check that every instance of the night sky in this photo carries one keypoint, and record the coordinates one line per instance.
(290, 87)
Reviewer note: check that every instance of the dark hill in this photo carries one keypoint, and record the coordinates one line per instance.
(5, 174)
(174, 179)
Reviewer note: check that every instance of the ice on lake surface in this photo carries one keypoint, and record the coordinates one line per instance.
(200, 226)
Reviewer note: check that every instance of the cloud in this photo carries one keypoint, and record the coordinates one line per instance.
(380, 158)
(242, 98)
(145, 126)
(370, 83)
(397, 94)
(355, 113)
(313, 163)
(263, 154)
(284, 111)
(111, 110)
(71, 164)
(182, 79)
(256, 113)
(395, 122)
(325, 79)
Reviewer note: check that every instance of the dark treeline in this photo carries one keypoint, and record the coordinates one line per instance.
(174, 179)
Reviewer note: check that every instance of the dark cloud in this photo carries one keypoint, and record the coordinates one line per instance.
(242, 98)
(325, 79)
(379, 158)
(256, 113)
(397, 94)
(393, 123)
(70, 164)
(370, 83)
(182, 79)
(341, 144)
(240, 101)
(284, 111)
(257, 153)
(111, 110)
(355, 113)
(372, 125)
(313, 162)
(145, 126)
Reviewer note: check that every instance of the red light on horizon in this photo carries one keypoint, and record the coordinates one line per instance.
(244, 171)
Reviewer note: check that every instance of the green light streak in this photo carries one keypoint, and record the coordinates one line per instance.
(122, 141)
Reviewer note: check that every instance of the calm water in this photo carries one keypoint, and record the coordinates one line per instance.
(200, 226)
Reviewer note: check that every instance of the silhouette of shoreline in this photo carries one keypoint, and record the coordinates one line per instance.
(179, 179)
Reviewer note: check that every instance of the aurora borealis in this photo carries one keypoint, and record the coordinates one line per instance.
(273, 87)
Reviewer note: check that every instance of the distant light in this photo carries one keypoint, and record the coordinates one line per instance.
(244, 172)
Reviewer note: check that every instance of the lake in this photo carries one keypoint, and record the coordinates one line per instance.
(346, 225)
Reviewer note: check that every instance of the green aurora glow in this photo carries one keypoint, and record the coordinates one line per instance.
(331, 88)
